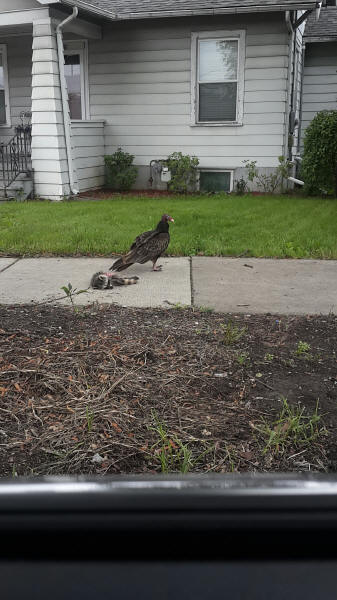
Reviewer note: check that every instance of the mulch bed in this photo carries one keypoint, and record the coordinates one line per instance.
(113, 390)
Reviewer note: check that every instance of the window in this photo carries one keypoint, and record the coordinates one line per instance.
(216, 181)
(4, 93)
(75, 71)
(217, 77)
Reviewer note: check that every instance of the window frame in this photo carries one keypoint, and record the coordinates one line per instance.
(3, 51)
(236, 35)
(82, 50)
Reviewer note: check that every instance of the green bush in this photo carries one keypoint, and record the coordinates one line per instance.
(269, 183)
(183, 172)
(319, 165)
(120, 173)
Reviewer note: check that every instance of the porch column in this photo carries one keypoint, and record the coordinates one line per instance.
(49, 154)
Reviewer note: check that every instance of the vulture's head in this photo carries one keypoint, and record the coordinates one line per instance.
(167, 219)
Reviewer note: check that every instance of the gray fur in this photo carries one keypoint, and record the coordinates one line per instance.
(106, 281)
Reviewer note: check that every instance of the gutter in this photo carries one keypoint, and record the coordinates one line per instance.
(64, 96)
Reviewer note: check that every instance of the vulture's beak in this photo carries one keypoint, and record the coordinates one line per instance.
(172, 220)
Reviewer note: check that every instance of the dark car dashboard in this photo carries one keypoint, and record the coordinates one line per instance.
(189, 537)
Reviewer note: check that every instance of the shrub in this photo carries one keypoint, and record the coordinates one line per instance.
(183, 172)
(269, 183)
(120, 173)
(319, 165)
(241, 186)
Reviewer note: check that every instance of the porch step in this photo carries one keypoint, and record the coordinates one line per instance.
(21, 188)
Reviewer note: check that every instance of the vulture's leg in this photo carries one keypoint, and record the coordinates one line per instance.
(154, 267)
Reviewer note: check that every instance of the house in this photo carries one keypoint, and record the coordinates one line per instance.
(320, 65)
(218, 79)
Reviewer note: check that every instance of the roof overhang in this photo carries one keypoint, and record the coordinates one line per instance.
(321, 38)
(259, 7)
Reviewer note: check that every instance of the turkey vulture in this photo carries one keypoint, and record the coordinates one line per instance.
(149, 245)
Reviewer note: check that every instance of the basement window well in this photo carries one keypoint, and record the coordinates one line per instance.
(216, 181)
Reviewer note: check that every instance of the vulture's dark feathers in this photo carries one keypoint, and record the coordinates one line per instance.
(149, 245)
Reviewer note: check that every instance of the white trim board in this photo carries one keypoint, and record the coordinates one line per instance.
(22, 17)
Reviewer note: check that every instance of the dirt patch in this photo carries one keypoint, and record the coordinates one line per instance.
(117, 390)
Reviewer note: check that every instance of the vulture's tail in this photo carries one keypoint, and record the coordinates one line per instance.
(120, 265)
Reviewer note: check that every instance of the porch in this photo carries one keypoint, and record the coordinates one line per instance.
(49, 146)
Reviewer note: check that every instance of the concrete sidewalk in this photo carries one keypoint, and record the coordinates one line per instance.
(225, 284)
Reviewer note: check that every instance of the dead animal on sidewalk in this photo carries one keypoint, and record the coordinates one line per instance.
(149, 245)
(110, 279)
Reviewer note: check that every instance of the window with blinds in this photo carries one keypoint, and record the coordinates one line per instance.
(217, 77)
(218, 80)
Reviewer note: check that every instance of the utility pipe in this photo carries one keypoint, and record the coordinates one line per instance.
(64, 97)
(298, 181)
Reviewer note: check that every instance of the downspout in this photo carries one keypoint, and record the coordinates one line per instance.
(295, 180)
(290, 72)
(64, 96)
(291, 116)
(301, 104)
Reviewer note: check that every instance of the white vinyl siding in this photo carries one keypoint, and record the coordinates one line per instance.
(88, 148)
(320, 80)
(140, 83)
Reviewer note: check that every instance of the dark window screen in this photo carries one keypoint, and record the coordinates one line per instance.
(212, 181)
(217, 101)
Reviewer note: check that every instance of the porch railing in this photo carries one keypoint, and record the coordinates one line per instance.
(15, 156)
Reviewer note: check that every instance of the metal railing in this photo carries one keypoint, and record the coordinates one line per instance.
(15, 156)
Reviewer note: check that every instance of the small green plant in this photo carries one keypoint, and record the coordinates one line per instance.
(269, 357)
(90, 418)
(231, 456)
(319, 165)
(179, 306)
(302, 350)
(184, 172)
(121, 174)
(241, 186)
(205, 309)
(171, 453)
(292, 428)
(70, 292)
(232, 333)
(20, 195)
(243, 358)
(269, 183)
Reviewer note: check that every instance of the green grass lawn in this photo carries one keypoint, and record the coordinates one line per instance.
(278, 226)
